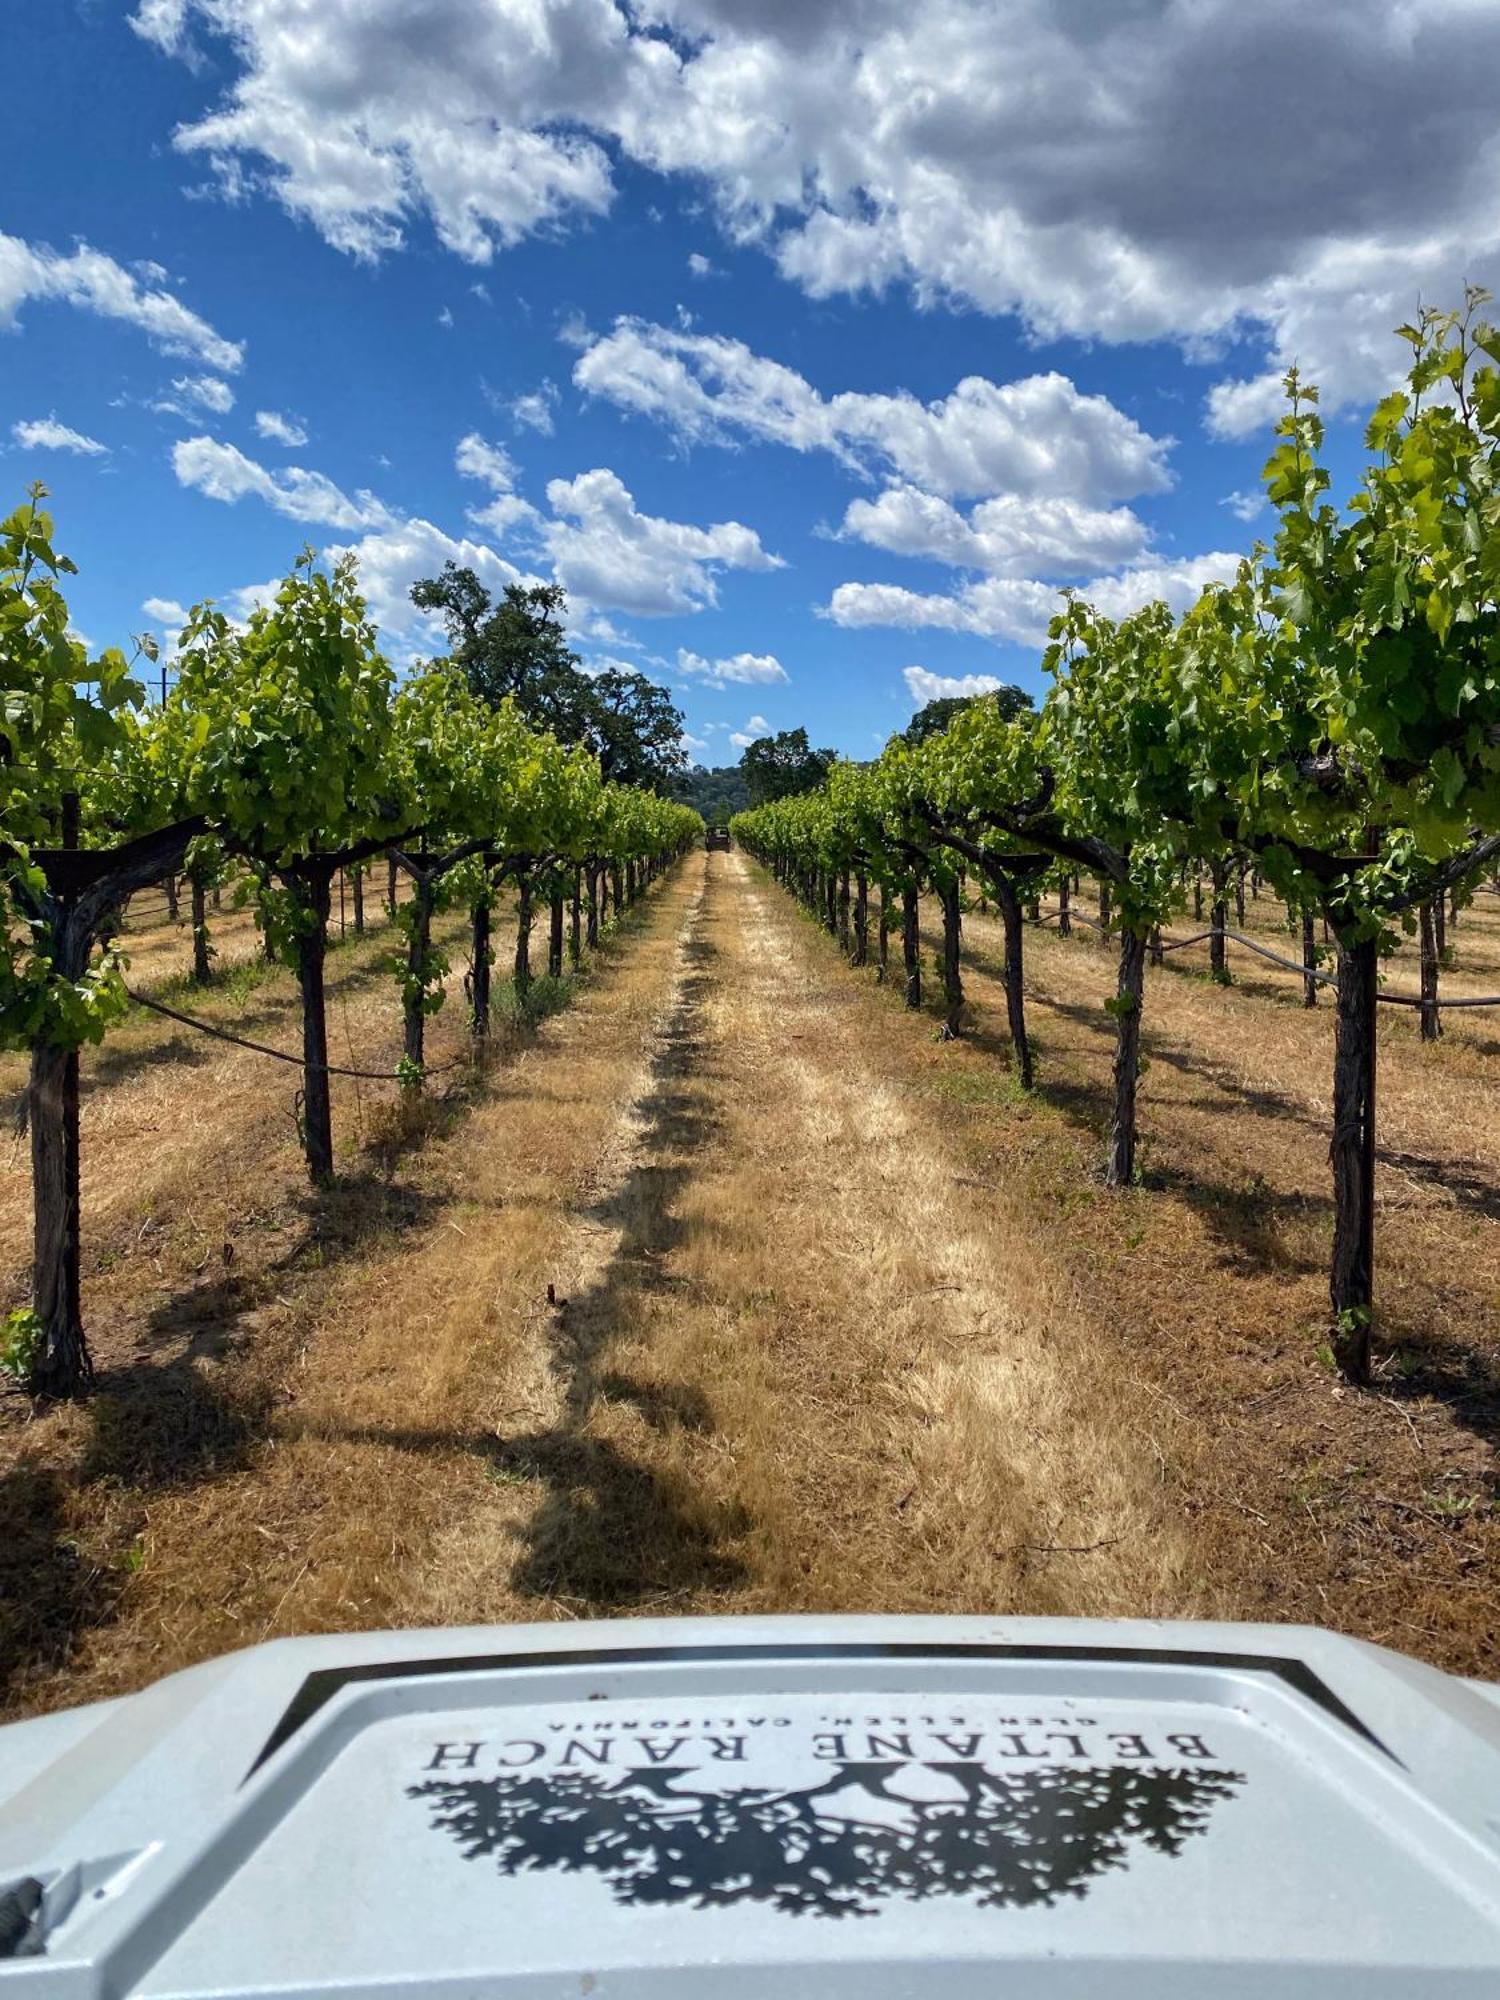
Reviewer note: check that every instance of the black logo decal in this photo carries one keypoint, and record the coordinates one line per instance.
(836, 1848)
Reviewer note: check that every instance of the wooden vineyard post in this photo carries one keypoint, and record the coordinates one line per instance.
(1351, 1282)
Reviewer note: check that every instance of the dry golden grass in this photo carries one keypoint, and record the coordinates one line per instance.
(837, 1320)
(1371, 1512)
(907, 1400)
(800, 1365)
(204, 1256)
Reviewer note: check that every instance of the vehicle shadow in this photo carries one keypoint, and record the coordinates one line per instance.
(51, 1590)
(611, 1530)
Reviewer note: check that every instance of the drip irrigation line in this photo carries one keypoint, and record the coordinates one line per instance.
(1291, 964)
(281, 1055)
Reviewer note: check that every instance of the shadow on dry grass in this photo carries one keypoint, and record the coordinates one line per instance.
(611, 1530)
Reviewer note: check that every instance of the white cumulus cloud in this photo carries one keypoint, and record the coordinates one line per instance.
(223, 472)
(1038, 435)
(493, 465)
(278, 428)
(1244, 506)
(924, 687)
(165, 610)
(475, 458)
(533, 410)
(208, 392)
(744, 669)
(753, 730)
(605, 550)
(47, 434)
(391, 559)
(1188, 169)
(1006, 536)
(92, 282)
(1017, 610)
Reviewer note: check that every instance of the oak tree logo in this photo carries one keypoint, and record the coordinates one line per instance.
(837, 1848)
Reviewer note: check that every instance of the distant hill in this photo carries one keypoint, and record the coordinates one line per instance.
(717, 794)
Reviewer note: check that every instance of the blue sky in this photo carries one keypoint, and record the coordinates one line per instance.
(812, 346)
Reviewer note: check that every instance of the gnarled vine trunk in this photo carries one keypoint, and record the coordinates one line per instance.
(414, 991)
(1015, 991)
(62, 1365)
(522, 970)
(357, 884)
(592, 933)
(312, 889)
(1309, 958)
(883, 934)
(556, 914)
(861, 918)
(1064, 908)
(1431, 1019)
(911, 943)
(1352, 1276)
(575, 920)
(480, 957)
(1218, 963)
(77, 919)
(202, 970)
(1119, 1166)
(953, 985)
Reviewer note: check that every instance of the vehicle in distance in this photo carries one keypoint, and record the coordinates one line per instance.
(717, 836)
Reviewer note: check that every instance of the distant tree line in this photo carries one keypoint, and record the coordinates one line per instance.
(517, 646)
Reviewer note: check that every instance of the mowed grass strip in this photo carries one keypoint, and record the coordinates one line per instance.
(804, 1362)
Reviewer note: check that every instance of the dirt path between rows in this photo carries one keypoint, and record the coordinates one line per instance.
(796, 1353)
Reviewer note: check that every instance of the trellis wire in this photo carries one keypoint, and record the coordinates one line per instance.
(280, 1055)
(1277, 958)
